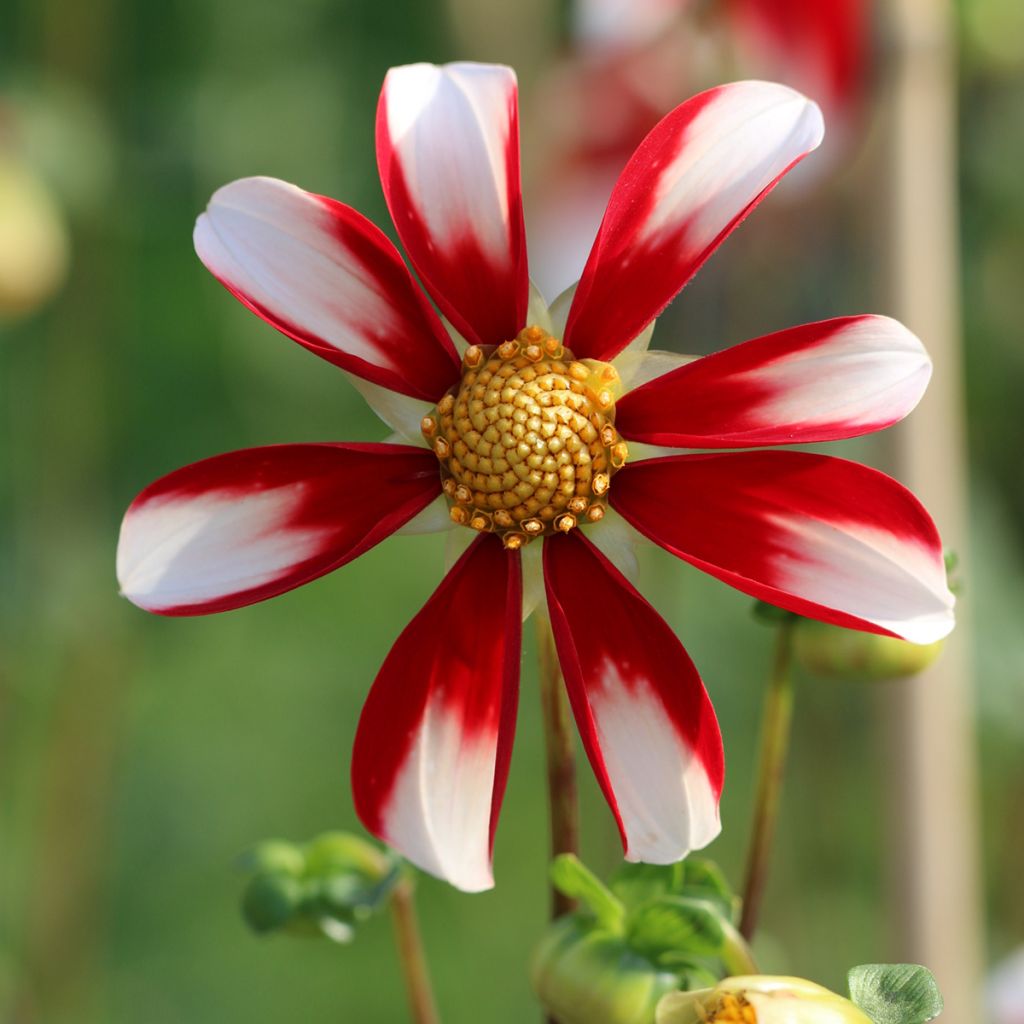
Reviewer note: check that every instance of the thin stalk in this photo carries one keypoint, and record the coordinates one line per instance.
(775, 728)
(411, 956)
(561, 759)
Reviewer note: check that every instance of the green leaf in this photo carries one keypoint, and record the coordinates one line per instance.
(572, 878)
(676, 924)
(895, 993)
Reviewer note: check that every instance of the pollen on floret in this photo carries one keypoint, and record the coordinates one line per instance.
(526, 440)
(733, 1009)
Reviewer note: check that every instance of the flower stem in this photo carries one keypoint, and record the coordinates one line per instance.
(561, 758)
(411, 956)
(775, 728)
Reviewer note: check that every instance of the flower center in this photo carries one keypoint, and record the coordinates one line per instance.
(526, 440)
(733, 1010)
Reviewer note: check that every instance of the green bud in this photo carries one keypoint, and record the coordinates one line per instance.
(832, 652)
(583, 974)
(334, 852)
(270, 901)
(273, 856)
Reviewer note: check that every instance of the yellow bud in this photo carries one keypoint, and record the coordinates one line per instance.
(33, 241)
(759, 999)
(832, 652)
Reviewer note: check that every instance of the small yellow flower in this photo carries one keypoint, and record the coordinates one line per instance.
(759, 999)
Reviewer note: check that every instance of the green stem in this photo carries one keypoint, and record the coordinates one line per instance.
(561, 759)
(411, 956)
(775, 728)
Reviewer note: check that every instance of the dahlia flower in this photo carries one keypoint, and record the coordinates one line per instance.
(517, 426)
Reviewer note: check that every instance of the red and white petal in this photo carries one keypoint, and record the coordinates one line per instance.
(819, 382)
(647, 724)
(699, 172)
(434, 741)
(820, 536)
(448, 153)
(242, 527)
(326, 277)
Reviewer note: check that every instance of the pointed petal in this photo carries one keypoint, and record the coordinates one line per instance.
(702, 169)
(636, 368)
(435, 518)
(322, 274)
(819, 382)
(448, 153)
(432, 751)
(820, 536)
(617, 541)
(242, 527)
(646, 721)
(402, 414)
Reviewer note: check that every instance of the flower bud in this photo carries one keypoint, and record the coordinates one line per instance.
(582, 974)
(274, 856)
(270, 901)
(333, 852)
(33, 241)
(759, 999)
(832, 652)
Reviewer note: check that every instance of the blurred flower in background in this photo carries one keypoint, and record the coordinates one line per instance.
(34, 240)
(629, 63)
(1005, 990)
(55, 167)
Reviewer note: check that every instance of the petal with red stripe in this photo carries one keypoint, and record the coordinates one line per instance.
(820, 536)
(646, 721)
(434, 741)
(699, 172)
(326, 277)
(819, 382)
(239, 528)
(448, 153)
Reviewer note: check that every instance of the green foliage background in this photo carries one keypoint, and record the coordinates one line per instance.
(139, 755)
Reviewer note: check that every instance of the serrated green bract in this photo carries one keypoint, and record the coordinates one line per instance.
(673, 924)
(572, 878)
(895, 993)
(638, 884)
(583, 974)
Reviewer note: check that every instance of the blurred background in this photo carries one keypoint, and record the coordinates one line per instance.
(138, 755)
